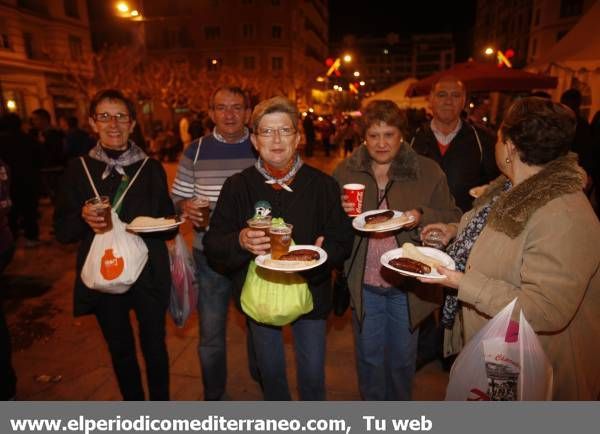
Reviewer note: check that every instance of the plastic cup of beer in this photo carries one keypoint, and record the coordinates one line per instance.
(281, 238)
(202, 203)
(262, 223)
(433, 238)
(354, 194)
(101, 206)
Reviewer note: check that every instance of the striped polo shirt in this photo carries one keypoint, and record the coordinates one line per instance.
(216, 161)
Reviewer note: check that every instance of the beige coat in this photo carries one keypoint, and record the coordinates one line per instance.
(541, 244)
(418, 182)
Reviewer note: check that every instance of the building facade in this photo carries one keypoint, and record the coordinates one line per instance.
(279, 44)
(40, 41)
(552, 19)
(503, 25)
(529, 27)
(384, 61)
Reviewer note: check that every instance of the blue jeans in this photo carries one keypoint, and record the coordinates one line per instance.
(214, 293)
(309, 346)
(386, 349)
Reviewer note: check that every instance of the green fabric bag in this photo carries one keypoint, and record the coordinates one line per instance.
(275, 297)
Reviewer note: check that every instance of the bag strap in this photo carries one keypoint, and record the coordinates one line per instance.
(478, 143)
(89, 177)
(194, 164)
(198, 149)
(387, 189)
(118, 204)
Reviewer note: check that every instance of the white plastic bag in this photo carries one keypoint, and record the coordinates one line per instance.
(490, 368)
(184, 286)
(115, 260)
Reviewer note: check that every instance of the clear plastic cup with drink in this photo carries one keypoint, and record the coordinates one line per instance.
(280, 235)
(202, 204)
(434, 238)
(354, 194)
(101, 207)
(260, 222)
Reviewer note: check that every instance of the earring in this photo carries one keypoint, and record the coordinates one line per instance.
(508, 160)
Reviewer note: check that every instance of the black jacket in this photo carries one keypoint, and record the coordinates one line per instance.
(314, 208)
(465, 165)
(148, 196)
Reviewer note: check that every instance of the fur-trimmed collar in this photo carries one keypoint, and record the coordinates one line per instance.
(513, 209)
(404, 167)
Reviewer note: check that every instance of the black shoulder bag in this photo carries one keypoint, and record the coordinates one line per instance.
(341, 292)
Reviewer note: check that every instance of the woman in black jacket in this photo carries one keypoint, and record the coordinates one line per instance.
(310, 201)
(112, 164)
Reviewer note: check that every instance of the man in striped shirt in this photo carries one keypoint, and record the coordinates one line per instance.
(202, 170)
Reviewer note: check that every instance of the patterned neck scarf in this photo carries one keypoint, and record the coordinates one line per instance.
(460, 249)
(132, 155)
(279, 180)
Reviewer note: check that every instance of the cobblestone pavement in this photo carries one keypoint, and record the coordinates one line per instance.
(59, 357)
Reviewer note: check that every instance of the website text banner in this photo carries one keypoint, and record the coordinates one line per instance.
(298, 417)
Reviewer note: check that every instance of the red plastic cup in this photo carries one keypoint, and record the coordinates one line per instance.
(354, 193)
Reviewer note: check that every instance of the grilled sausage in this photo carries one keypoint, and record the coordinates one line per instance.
(407, 264)
(301, 255)
(379, 217)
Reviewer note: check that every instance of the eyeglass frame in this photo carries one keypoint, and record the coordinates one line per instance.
(290, 132)
(110, 118)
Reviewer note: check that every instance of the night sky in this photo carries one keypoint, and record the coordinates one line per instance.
(378, 18)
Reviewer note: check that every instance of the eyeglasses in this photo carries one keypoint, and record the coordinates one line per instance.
(236, 108)
(122, 118)
(270, 132)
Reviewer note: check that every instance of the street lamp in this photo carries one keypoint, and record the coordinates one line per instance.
(122, 7)
(489, 51)
(347, 58)
(356, 74)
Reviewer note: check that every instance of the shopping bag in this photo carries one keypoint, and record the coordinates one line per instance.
(115, 260)
(184, 286)
(274, 297)
(504, 361)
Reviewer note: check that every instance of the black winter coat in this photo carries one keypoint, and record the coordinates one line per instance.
(314, 208)
(148, 196)
(464, 163)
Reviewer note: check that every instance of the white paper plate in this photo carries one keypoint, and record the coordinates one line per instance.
(429, 251)
(359, 222)
(157, 228)
(265, 261)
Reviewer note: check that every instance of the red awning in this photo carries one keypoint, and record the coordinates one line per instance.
(486, 77)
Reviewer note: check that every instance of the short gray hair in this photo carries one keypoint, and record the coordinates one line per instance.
(277, 104)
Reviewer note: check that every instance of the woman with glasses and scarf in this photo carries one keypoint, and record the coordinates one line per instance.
(388, 308)
(112, 164)
(310, 201)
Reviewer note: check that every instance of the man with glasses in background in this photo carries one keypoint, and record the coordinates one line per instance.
(202, 170)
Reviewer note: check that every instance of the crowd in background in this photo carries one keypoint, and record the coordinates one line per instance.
(455, 159)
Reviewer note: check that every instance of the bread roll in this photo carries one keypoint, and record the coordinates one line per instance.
(410, 251)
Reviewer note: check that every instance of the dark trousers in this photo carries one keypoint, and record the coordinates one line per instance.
(24, 213)
(8, 379)
(112, 313)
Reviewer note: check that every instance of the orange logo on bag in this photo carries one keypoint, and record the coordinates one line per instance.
(111, 267)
